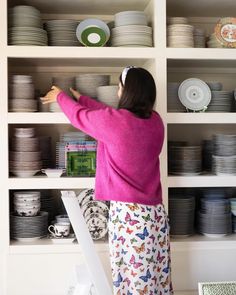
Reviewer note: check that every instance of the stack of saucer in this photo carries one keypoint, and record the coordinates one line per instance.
(185, 160)
(131, 29)
(26, 203)
(221, 101)
(22, 94)
(62, 32)
(214, 217)
(199, 38)
(173, 102)
(108, 95)
(95, 214)
(26, 26)
(87, 84)
(224, 158)
(213, 42)
(180, 35)
(29, 229)
(25, 154)
(182, 215)
(177, 21)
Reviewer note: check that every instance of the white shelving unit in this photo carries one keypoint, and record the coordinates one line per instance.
(193, 259)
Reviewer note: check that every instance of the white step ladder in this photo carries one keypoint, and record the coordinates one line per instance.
(91, 278)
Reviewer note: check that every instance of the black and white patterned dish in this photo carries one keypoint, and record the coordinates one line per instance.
(95, 207)
(97, 225)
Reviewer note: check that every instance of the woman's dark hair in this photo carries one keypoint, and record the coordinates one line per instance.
(139, 92)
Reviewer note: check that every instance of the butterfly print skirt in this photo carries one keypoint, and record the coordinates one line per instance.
(139, 249)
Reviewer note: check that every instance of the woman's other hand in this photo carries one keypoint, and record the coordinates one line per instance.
(51, 96)
(75, 93)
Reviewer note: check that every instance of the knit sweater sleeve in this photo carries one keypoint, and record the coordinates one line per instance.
(98, 123)
(91, 102)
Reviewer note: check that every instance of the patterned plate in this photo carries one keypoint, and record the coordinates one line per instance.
(194, 94)
(225, 31)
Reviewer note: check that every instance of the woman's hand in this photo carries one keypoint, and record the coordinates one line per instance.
(51, 96)
(75, 93)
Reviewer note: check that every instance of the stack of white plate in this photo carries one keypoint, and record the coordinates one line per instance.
(22, 94)
(29, 229)
(177, 21)
(25, 155)
(126, 18)
(173, 102)
(199, 38)
(87, 84)
(213, 42)
(131, 30)
(224, 158)
(65, 83)
(26, 203)
(62, 32)
(221, 101)
(26, 27)
(95, 214)
(180, 35)
(108, 95)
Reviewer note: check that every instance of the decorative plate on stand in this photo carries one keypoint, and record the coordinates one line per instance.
(194, 94)
(225, 31)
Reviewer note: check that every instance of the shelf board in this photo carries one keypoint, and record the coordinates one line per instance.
(46, 246)
(200, 53)
(37, 118)
(201, 118)
(195, 242)
(43, 182)
(90, 53)
(201, 181)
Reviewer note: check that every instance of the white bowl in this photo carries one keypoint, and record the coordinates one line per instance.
(53, 173)
(27, 211)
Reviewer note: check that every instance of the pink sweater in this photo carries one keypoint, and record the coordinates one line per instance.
(127, 153)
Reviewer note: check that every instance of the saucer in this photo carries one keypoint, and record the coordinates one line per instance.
(68, 240)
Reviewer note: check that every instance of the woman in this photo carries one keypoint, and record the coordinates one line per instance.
(130, 139)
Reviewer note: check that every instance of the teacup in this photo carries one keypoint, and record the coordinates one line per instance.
(60, 229)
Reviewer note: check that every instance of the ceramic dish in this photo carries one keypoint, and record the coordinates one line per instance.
(67, 240)
(93, 32)
(225, 31)
(53, 173)
(194, 94)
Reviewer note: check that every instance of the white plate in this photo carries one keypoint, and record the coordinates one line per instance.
(28, 240)
(194, 94)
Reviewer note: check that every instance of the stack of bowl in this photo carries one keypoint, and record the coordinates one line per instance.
(87, 84)
(108, 95)
(62, 32)
(26, 26)
(25, 155)
(26, 203)
(22, 94)
(131, 30)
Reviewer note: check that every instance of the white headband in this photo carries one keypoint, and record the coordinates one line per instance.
(124, 73)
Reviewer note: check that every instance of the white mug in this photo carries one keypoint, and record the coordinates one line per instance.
(60, 230)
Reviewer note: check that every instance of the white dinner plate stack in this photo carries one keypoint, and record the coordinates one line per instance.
(131, 30)
(95, 213)
(180, 34)
(224, 158)
(25, 154)
(173, 102)
(26, 26)
(108, 95)
(221, 101)
(22, 94)
(64, 139)
(87, 84)
(65, 83)
(199, 38)
(62, 32)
